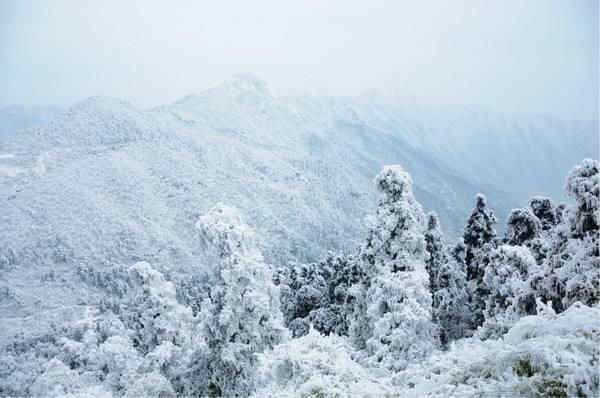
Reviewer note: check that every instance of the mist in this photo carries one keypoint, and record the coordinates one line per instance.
(536, 57)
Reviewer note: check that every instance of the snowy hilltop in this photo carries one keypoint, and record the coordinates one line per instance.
(233, 244)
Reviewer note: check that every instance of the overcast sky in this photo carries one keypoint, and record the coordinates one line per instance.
(533, 56)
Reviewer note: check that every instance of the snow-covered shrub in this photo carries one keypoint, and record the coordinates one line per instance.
(399, 327)
(541, 355)
(241, 316)
(316, 365)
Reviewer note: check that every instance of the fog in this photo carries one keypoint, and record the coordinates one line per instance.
(536, 56)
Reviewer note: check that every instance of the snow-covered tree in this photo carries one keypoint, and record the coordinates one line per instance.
(303, 290)
(241, 316)
(522, 226)
(505, 278)
(153, 312)
(543, 208)
(319, 294)
(451, 302)
(571, 271)
(397, 300)
(583, 185)
(436, 247)
(478, 232)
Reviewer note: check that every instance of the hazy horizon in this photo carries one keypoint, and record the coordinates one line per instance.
(538, 57)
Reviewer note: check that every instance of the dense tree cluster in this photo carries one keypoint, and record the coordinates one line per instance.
(406, 297)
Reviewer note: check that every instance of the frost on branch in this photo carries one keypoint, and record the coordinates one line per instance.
(398, 327)
(241, 316)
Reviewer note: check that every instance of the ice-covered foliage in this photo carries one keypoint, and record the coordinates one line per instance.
(399, 327)
(571, 270)
(583, 185)
(154, 314)
(478, 232)
(316, 365)
(451, 299)
(436, 247)
(522, 226)
(543, 208)
(541, 355)
(241, 316)
(303, 289)
(318, 293)
(505, 279)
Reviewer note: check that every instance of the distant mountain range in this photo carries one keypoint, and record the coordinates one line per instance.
(104, 184)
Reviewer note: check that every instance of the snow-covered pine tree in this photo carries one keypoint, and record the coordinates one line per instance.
(583, 185)
(241, 317)
(478, 231)
(153, 312)
(436, 247)
(318, 293)
(303, 289)
(451, 299)
(341, 273)
(522, 227)
(571, 271)
(399, 327)
(543, 208)
(505, 278)
(479, 237)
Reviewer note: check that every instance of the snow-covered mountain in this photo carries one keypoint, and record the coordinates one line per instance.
(14, 117)
(105, 184)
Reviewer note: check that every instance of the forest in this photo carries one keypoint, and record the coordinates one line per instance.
(407, 313)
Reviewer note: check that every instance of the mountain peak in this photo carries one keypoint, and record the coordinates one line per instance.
(250, 79)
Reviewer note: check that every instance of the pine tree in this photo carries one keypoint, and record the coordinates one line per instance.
(571, 271)
(436, 247)
(153, 313)
(544, 210)
(241, 317)
(505, 278)
(522, 227)
(397, 300)
(451, 301)
(478, 232)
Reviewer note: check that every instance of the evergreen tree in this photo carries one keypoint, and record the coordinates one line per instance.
(505, 278)
(571, 271)
(522, 227)
(544, 210)
(478, 232)
(451, 301)
(153, 313)
(241, 317)
(397, 300)
(436, 247)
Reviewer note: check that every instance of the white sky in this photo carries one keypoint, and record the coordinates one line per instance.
(533, 56)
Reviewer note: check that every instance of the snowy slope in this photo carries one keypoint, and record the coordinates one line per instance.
(105, 185)
(522, 156)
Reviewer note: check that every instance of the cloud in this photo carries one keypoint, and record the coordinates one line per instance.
(539, 56)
